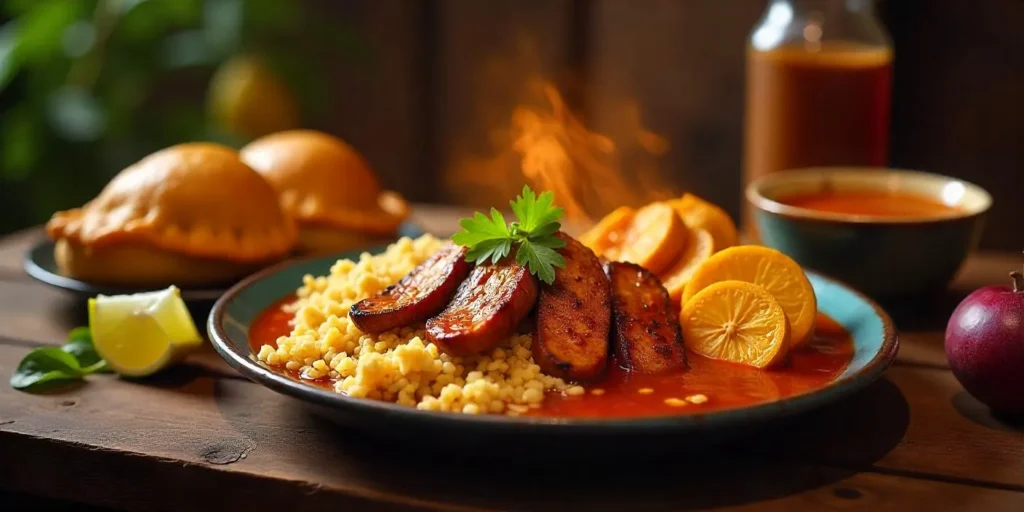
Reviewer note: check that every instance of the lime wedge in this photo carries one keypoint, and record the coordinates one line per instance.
(142, 333)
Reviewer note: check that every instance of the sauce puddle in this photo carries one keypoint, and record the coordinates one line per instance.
(625, 395)
(874, 204)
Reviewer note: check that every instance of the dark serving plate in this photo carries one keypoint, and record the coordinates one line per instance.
(39, 263)
(874, 337)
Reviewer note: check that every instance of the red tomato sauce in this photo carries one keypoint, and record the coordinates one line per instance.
(726, 385)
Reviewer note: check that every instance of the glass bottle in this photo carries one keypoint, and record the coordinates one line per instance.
(819, 76)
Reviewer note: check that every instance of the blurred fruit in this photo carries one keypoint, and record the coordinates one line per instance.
(246, 98)
(738, 322)
(985, 346)
(698, 213)
(774, 271)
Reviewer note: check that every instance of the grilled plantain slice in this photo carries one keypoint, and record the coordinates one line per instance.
(422, 293)
(647, 337)
(574, 317)
(487, 307)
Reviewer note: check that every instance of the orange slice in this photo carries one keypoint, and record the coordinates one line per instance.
(699, 248)
(654, 238)
(775, 272)
(608, 232)
(738, 322)
(698, 213)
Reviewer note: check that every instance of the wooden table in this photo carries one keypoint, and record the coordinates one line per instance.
(200, 436)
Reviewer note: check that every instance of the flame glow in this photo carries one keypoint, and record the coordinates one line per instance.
(548, 147)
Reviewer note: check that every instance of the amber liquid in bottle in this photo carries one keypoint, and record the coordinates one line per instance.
(816, 107)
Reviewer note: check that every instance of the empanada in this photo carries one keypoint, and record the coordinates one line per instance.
(187, 215)
(329, 188)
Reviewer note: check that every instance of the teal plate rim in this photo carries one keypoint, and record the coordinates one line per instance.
(874, 335)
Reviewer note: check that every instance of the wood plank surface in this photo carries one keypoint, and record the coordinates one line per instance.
(914, 439)
(193, 428)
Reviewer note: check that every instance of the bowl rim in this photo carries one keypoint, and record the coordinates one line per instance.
(246, 365)
(759, 201)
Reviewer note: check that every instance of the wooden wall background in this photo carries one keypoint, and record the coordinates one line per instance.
(449, 72)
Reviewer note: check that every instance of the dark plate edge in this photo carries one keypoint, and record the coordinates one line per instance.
(30, 263)
(37, 272)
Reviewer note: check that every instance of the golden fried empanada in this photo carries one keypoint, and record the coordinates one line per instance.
(329, 188)
(186, 215)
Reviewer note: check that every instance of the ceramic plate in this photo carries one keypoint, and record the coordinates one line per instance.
(40, 264)
(874, 338)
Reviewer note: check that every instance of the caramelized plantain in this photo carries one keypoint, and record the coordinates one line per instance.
(422, 293)
(574, 317)
(647, 335)
(487, 307)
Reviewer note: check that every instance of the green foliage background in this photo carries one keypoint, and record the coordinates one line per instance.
(90, 86)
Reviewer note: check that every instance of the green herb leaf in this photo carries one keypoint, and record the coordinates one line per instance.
(540, 260)
(491, 239)
(44, 366)
(80, 333)
(479, 228)
(81, 346)
(51, 365)
(535, 212)
(85, 352)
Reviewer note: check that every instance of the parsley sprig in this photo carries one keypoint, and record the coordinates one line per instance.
(533, 235)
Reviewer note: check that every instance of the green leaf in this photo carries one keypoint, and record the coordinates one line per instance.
(44, 366)
(81, 346)
(35, 37)
(146, 20)
(494, 250)
(535, 212)
(20, 146)
(550, 241)
(547, 230)
(534, 233)
(479, 228)
(40, 31)
(539, 260)
(80, 333)
(522, 206)
(84, 352)
(8, 56)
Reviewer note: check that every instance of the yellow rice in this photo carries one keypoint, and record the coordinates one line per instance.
(401, 366)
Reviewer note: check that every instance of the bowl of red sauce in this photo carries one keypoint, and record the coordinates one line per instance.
(891, 233)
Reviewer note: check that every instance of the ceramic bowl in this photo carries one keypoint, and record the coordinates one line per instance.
(886, 258)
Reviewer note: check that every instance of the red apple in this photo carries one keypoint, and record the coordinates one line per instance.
(985, 346)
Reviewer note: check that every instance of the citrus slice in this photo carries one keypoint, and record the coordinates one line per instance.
(654, 238)
(698, 213)
(738, 322)
(142, 333)
(774, 271)
(699, 248)
(608, 231)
